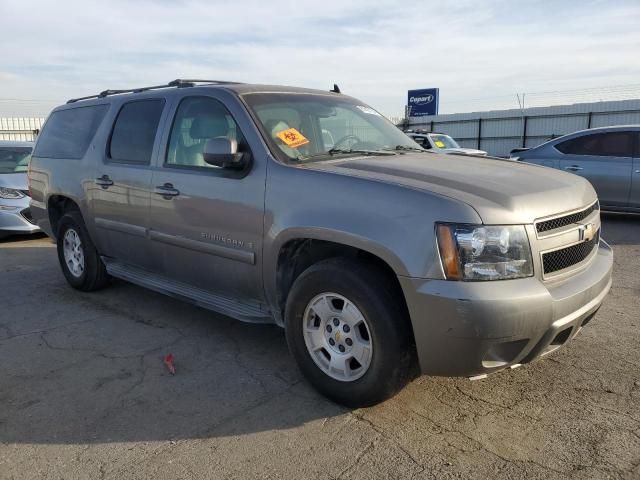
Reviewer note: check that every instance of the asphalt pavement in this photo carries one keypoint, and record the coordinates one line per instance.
(84, 393)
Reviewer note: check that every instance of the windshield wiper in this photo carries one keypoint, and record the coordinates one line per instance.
(340, 151)
(334, 151)
(404, 148)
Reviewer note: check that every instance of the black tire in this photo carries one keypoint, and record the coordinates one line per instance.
(369, 289)
(94, 275)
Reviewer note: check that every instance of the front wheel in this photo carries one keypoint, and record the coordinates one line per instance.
(349, 333)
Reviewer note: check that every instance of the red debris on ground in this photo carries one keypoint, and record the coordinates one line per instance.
(168, 361)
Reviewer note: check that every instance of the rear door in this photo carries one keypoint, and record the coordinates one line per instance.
(122, 180)
(206, 221)
(605, 159)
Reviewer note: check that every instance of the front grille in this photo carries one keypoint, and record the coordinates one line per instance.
(569, 256)
(560, 222)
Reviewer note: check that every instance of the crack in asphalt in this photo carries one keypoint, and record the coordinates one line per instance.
(360, 417)
(207, 433)
(358, 457)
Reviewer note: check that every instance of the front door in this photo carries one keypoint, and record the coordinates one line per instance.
(121, 194)
(207, 221)
(605, 159)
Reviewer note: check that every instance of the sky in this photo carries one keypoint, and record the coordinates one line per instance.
(479, 53)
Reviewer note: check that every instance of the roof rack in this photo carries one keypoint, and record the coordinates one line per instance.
(179, 83)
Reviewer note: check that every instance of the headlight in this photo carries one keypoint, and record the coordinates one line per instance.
(10, 193)
(484, 252)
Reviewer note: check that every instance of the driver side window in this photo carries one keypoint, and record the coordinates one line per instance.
(197, 120)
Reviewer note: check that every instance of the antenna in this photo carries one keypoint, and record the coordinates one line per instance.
(336, 88)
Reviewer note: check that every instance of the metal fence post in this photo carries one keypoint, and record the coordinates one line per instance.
(524, 132)
(479, 133)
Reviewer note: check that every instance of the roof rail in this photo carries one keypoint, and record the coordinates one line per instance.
(179, 83)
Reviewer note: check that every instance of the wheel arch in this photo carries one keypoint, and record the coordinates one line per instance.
(57, 206)
(296, 253)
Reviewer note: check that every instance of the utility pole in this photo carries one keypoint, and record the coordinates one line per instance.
(524, 119)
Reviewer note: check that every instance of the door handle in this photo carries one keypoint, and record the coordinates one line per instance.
(574, 168)
(104, 181)
(166, 190)
(637, 171)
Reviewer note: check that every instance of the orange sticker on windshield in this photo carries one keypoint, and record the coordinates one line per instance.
(292, 138)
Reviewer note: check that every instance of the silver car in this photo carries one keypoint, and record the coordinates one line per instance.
(608, 157)
(376, 256)
(15, 216)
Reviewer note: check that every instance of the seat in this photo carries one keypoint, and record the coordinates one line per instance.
(205, 126)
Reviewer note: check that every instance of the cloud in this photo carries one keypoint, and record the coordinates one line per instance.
(471, 50)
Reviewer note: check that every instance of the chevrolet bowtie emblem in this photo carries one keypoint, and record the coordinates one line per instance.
(587, 232)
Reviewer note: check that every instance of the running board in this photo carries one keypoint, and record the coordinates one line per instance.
(246, 312)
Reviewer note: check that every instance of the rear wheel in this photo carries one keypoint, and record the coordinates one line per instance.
(79, 259)
(349, 332)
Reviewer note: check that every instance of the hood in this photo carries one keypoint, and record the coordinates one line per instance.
(501, 191)
(466, 151)
(17, 181)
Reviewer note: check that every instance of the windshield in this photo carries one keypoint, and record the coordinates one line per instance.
(443, 141)
(14, 159)
(314, 127)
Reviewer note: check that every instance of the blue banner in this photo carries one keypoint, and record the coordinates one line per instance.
(423, 102)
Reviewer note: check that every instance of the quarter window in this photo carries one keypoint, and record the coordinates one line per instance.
(611, 144)
(197, 120)
(134, 131)
(67, 133)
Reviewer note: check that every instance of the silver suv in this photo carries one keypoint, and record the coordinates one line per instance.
(377, 257)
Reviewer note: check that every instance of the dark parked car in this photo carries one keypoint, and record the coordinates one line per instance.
(608, 157)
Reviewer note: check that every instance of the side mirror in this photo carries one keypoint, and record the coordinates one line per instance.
(223, 152)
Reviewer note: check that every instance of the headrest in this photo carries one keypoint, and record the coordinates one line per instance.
(209, 126)
(275, 126)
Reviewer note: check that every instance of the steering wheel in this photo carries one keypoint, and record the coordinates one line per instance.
(347, 137)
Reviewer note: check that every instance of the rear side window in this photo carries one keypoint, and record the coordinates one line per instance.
(612, 144)
(134, 131)
(68, 133)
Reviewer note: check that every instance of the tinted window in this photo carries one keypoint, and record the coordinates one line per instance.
(197, 120)
(135, 131)
(613, 144)
(67, 133)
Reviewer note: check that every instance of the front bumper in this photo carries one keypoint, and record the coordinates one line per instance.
(474, 328)
(15, 217)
